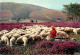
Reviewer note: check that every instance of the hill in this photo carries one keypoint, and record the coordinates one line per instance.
(26, 12)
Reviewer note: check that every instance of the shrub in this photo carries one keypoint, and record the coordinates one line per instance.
(56, 47)
(6, 50)
(57, 24)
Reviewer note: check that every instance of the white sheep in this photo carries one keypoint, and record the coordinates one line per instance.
(12, 40)
(13, 31)
(58, 28)
(44, 33)
(35, 34)
(16, 35)
(5, 39)
(62, 33)
(68, 30)
(1, 34)
(9, 35)
(5, 31)
(75, 30)
(48, 37)
(23, 38)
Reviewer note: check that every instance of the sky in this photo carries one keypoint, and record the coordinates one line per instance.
(50, 4)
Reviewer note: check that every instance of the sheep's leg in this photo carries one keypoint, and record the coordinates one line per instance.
(0, 41)
(33, 38)
(48, 38)
(4, 40)
(66, 35)
(76, 33)
(11, 41)
(24, 43)
(17, 39)
(41, 36)
(24, 40)
(11, 44)
(16, 42)
(7, 42)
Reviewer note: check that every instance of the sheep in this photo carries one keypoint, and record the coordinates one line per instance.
(13, 30)
(9, 35)
(23, 38)
(5, 39)
(62, 33)
(48, 37)
(20, 30)
(12, 40)
(44, 33)
(16, 35)
(35, 31)
(23, 27)
(58, 28)
(68, 30)
(76, 30)
(58, 34)
(35, 34)
(5, 31)
(1, 34)
(62, 28)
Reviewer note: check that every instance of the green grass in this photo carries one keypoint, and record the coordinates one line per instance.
(27, 50)
(77, 36)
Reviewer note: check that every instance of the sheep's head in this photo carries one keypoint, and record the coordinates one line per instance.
(78, 31)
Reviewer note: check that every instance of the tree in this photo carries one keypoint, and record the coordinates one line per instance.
(36, 21)
(13, 18)
(31, 20)
(18, 19)
(72, 11)
(2, 19)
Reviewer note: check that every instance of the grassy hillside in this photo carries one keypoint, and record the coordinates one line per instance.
(29, 12)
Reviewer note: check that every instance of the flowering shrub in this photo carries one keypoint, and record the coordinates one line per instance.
(5, 50)
(57, 24)
(56, 47)
(8, 50)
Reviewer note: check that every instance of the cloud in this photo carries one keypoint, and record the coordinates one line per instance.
(2, 0)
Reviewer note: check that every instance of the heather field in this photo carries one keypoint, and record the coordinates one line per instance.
(56, 24)
(42, 46)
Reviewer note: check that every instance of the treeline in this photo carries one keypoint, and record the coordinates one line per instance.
(16, 20)
(72, 11)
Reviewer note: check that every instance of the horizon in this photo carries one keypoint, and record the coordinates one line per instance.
(50, 4)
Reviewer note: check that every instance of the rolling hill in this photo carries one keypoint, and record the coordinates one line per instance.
(26, 12)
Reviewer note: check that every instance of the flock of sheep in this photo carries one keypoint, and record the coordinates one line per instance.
(32, 32)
